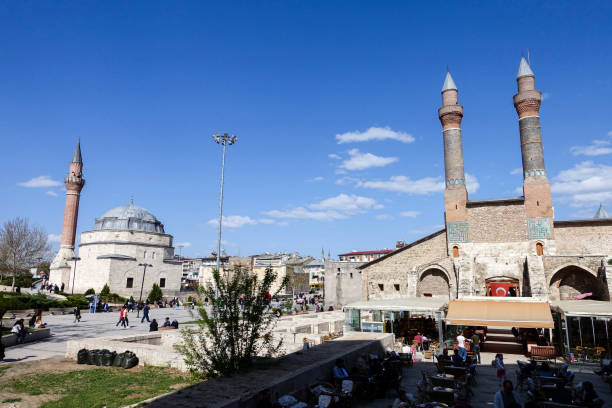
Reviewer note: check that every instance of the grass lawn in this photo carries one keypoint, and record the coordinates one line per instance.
(98, 387)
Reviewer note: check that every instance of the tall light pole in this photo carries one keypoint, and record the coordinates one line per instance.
(143, 277)
(75, 259)
(224, 140)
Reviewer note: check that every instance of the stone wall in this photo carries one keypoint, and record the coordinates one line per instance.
(497, 221)
(342, 283)
(587, 237)
(390, 276)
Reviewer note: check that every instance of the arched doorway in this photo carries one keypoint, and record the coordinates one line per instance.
(502, 286)
(573, 282)
(433, 283)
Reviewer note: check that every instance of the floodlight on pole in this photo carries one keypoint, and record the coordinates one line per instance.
(225, 140)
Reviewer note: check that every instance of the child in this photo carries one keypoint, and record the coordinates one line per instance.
(501, 370)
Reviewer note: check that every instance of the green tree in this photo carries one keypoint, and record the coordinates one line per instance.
(155, 294)
(238, 326)
(90, 291)
(105, 290)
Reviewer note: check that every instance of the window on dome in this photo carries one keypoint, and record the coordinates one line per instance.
(145, 255)
(153, 255)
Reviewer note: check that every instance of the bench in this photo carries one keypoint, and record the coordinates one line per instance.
(19, 314)
(543, 353)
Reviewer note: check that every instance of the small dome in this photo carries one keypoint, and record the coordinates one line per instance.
(130, 218)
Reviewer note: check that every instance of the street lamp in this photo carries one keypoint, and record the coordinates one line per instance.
(143, 277)
(224, 140)
(75, 259)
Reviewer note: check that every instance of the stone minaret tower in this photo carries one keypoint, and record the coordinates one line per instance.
(536, 187)
(74, 181)
(455, 193)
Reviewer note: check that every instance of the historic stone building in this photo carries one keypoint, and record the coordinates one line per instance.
(500, 246)
(115, 251)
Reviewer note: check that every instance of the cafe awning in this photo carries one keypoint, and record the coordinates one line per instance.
(499, 313)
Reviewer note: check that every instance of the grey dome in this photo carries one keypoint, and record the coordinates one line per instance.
(130, 218)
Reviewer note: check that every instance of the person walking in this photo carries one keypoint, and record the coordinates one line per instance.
(501, 370)
(121, 317)
(461, 345)
(476, 347)
(145, 314)
(138, 309)
(77, 314)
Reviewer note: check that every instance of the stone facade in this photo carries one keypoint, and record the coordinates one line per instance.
(343, 283)
(514, 241)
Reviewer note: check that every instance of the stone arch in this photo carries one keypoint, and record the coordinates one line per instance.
(433, 281)
(571, 280)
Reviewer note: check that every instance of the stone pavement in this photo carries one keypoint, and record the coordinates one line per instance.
(91, 325)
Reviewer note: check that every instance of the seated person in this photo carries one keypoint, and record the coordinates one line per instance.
(545, 370)
(19, 330)
(587, 396)
(444, 356)
(174, 324)
(562, 395)
(606, 369)
(32, 322)
(339, 371)
(153, 326)
(167, 322)
(456, 358)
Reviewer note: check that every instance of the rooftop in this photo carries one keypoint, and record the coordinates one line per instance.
(381, 251)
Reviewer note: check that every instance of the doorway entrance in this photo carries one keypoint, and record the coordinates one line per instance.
(502, 287)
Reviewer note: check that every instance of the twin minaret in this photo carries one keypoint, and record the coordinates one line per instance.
(536, 187)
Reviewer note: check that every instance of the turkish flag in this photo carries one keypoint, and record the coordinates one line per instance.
(499, 289)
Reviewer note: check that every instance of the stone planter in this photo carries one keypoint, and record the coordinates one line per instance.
(11, 339)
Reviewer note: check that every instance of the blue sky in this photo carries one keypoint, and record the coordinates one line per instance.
(334, 104)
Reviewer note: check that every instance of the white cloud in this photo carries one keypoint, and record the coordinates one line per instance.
(585, 184)
(266, 221)
(182, 244)
(374, 133)
(334, 156)
(315, 179)
(233, 221)
(385, 217)
(51, 193)
(361, 161)
(40, 181)
(54, 238)
(596, 148)
(333, 208)
(410, 214)
(423, 186)
(518, 170)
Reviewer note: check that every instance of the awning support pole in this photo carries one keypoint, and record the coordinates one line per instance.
(567, 334)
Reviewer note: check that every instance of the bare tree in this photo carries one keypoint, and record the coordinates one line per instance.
(22, 246)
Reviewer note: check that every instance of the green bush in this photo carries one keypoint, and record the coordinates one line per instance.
(23, 281)
(288, 304)
(155, 294)
(105, 290)
(112, 298)
(90, 291)
(26, 301)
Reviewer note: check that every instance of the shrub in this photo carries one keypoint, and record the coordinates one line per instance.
(90, 291)
(105, 290)
(288, 304)
(23, 281)
(155, 294)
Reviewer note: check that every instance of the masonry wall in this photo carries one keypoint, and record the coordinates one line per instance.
(342, 283)
(588, 237)
(396, 272)
(497, 222)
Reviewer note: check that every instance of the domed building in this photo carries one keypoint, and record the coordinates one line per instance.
(122, 240)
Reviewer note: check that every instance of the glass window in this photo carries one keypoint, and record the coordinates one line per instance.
(162, 282)
(145, 255)
(153, 255)
(129, 283)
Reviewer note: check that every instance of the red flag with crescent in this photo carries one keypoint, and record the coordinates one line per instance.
(499, 289)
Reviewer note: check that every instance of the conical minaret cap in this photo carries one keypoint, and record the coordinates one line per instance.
(449, 83)
(601, 213)
(76, 158)
(524, 69)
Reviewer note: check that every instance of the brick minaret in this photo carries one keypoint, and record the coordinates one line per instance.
(450, 114)
(74, 181)
(536, 187)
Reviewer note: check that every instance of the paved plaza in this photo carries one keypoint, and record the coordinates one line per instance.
(92, 325)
